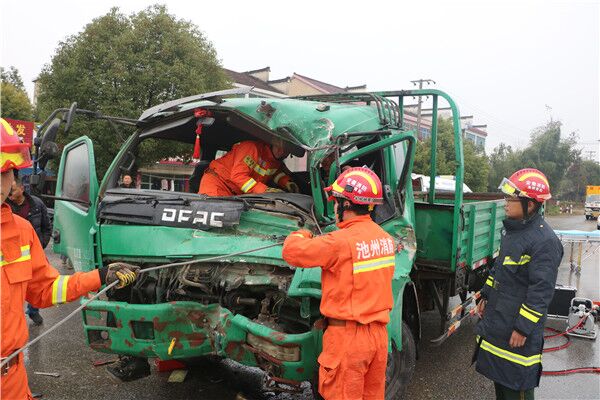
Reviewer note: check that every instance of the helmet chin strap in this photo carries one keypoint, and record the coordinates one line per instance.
(525, 206)
(340, 209)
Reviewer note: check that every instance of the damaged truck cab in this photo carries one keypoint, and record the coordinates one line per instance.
(252, 308)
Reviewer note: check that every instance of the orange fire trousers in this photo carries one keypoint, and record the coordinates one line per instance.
(212, 185)
(353, 362)
(13, 385)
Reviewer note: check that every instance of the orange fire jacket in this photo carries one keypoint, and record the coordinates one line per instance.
(358, 265)
(248, 167)
(27, 276)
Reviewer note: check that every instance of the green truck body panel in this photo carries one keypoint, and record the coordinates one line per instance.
(478, 234)
(199, 330)
(77, 222)
(434, 231)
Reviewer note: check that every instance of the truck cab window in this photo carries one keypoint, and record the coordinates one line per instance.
(76, 176)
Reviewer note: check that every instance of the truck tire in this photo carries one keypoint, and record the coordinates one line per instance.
(400, 368)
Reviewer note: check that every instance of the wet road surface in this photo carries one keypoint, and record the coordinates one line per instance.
(442, 372)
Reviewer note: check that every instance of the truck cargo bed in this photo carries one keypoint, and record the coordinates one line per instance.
(478, 230)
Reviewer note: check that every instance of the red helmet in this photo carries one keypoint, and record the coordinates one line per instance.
(528, 183)
(13, 153)
(358, 185)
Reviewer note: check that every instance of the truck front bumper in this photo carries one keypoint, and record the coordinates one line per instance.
(183, 330)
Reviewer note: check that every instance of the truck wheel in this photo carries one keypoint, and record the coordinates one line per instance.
(400, 365)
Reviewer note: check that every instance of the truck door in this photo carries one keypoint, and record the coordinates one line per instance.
(384, 166)
(75, 225)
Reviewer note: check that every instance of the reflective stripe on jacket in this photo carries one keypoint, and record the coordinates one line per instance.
(248, 166)
(518, 291)
(27, 276)
(358, 266)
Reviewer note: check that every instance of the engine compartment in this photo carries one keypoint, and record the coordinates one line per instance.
(257, 291)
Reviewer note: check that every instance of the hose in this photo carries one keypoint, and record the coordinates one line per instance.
(558, 333)
(587, 370)
(108, 287)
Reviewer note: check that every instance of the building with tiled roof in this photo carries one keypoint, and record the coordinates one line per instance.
(256, 79)
(294, 85)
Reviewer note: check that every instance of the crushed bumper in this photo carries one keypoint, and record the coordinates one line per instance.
(183, 330)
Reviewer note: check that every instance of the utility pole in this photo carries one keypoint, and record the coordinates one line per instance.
(420, 83)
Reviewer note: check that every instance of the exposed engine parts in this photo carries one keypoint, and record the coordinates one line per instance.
(257, 291)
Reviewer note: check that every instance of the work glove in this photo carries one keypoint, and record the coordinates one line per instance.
(119, 271)
(273, 190)
(292, 187)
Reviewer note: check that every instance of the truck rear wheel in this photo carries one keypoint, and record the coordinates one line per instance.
(400, 365)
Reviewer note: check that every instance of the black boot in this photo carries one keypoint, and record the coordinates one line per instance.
(130, 368)
(36, 318)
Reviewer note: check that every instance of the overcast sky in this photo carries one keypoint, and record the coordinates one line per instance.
(503, 61)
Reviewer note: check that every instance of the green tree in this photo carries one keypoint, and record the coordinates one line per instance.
(14, 102)
(580, 174)
(547, 151)
(475, 161)
(503, 162)
(13, 77)
(550, 153)
(122, 65)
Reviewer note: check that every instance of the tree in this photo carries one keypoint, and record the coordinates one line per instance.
(547, 151)
(122, 65)
(13, 77)
(503, 162)
(550, 153)
(580, 174)
(475, 161)
(14, 102)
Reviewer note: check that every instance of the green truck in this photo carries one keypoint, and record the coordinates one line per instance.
(253, 307)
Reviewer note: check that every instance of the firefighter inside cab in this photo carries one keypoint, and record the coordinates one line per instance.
(26, 274)
(518, 290)
(357, 264)
(247, 168)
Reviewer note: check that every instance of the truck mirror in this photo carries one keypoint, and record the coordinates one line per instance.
(51, 131)
(37, 183)
(48, 149)
(68, 117)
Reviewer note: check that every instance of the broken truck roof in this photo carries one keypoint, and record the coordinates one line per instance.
(311, 123)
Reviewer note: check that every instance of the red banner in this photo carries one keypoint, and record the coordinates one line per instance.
(23, 128)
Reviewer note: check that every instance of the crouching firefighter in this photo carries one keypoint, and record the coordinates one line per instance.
(356, 283)
(26, 274)
(247, 168)
(518, 290)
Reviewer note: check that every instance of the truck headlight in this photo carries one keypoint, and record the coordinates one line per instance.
(287, 352)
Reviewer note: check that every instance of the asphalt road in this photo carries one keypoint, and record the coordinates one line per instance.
(442, 372)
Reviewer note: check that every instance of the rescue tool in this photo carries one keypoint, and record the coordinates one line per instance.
(457, 316)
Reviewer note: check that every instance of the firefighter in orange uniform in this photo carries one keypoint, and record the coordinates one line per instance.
(247, 168)
(356, 283)
(26, 274)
